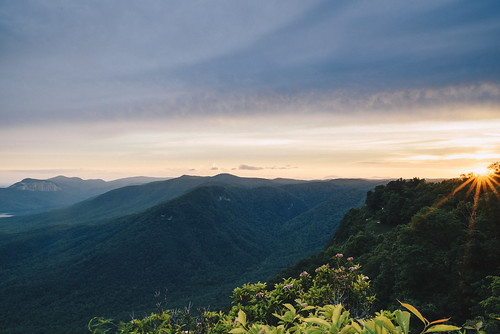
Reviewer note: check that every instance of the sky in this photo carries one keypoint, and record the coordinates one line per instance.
(300, 89)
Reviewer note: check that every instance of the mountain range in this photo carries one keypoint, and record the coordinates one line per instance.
(32, 195)
(197, 237)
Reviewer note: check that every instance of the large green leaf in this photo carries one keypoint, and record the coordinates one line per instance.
(416, 312)
(385, 323)
(242, 318)
(403, 319)
(441, 328)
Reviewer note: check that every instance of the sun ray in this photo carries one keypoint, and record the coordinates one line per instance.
(481, 182)
(489, 181)
(472, 187)
(494, 181)
(450, 195)
(445, 199)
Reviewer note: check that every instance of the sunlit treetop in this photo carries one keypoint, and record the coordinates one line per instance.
(480, 179)
(494, 168)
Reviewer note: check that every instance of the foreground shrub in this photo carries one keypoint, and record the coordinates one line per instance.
(335, 319)
(337, 283)
(304, 319)
(336, 298)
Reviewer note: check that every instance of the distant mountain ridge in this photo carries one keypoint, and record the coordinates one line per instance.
(35, 185)
(33, 195)
(136, 198)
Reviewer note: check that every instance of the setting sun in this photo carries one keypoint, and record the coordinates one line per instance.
(481, 170)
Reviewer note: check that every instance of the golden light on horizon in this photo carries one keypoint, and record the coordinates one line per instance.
(480, 170)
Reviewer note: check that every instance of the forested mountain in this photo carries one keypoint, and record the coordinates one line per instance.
(206, 236)
(133, 199)
(31, 195)
(434, 245)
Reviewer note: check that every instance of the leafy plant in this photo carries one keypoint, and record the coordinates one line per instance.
(337, 283)
(335, 299)
(336, 319)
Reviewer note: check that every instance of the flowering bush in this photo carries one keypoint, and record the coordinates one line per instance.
(337, 283)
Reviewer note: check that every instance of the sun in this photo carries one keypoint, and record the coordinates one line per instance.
(481, 171)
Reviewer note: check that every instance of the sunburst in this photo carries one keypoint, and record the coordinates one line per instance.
(480, 180)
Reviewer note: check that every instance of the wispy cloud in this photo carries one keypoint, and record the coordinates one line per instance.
(255, 168)
(247, 167)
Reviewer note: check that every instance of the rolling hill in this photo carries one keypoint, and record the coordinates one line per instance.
(133, 199)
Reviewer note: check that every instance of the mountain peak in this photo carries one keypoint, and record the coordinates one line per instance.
(225, 177)
(65, 178)
(35, 185)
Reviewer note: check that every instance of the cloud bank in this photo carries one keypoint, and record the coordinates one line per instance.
(94, 61)
(329, 87)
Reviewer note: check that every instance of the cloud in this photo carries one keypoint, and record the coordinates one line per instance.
(98, 61)
(248, 167)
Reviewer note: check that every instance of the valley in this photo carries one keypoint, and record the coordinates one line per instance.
(194, 237)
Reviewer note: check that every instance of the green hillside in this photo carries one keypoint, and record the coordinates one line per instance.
(434, 245)
(134, 199)
(199, 246)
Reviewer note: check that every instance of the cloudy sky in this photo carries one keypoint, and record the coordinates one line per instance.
(304, 89)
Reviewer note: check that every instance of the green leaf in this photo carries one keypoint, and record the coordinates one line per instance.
(336, 314)
(307, 308)
(385, 323)
(343, 318)
(279, 316)
(237, 330)
(416, 312)
(242, 318)
(356, 326)
(403, 319)
(289, 316)
(314, 331)
(441, 328)
(369, 327)
(318, 321)
(290, 307)
(350, 329)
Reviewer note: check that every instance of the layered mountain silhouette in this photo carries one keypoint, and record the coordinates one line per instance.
(32, 195)
(197, 237)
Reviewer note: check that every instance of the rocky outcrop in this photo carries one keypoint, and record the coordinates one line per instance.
(35, 185)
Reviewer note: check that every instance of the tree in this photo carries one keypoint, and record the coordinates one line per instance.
(495, 168)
